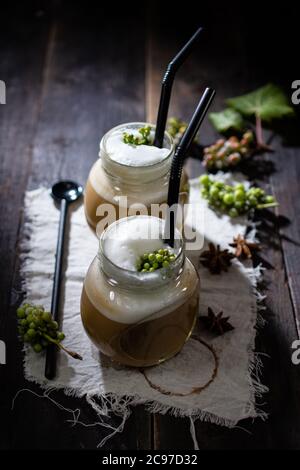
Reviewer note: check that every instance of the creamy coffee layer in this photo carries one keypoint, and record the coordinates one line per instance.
(142, 344)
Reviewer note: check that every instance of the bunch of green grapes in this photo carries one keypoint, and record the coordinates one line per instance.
(235, 199)
(150, 262)
(37, 327)
(228, 153)
(176, 128)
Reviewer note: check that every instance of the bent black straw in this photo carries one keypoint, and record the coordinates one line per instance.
(166, 88)
(178, 159)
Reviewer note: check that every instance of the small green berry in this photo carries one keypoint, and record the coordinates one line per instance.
(37, 347)
(239, 195)
(46, 316)
(166, 264)
(146, 266)
(26, 338)
(214, 192)
(233, 212)
(151, 257)
(60, 336)
(228, 199)
(54, 325)
(252, 200)
(239, 205)
(205, 180)
(151, 269)
(159, 258)
(31, 333)
(21, 312)
(269, 199)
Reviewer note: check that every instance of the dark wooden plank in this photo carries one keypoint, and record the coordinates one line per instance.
(23, 47)
(234, 65)
(93, 79)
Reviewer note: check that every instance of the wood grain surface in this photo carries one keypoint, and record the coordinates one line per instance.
(72, 73)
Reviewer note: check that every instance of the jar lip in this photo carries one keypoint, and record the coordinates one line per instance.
(142, 124)
(178, 254)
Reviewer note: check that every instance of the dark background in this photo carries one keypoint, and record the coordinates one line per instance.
(73, 70)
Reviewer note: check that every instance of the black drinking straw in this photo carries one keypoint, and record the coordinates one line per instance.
(178, 159)
(166, 88)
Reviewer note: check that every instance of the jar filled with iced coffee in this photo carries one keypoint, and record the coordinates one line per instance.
(140, 297)
(131, 176)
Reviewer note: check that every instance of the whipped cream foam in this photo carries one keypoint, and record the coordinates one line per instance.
(126, 241)
(133, 155)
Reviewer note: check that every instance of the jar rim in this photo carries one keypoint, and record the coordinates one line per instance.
(142, 124)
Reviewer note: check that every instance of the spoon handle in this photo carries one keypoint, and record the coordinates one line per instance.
(50, 367)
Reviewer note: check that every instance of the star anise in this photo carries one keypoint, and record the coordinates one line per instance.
(216, 323)
(243, 247)
(216, 260)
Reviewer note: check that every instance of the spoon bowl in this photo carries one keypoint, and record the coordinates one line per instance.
(66, 189)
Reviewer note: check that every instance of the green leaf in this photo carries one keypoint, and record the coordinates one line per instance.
(268, 102)
(227, 119)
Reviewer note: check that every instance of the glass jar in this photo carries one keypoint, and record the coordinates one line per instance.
(139, 319)
(113, 187)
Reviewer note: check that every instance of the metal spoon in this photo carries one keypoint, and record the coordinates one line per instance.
(66, 192)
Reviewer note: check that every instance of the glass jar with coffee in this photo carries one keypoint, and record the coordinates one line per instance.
(140, 297)
(130, 175)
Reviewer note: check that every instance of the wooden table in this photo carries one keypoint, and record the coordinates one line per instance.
(71, 74)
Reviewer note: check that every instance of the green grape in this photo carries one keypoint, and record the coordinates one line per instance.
(233, 212)
(31, 333)
(239, 205)
(30, 318)
(21, 312)
(214, 192)
(228, 199)
(37, 347)
(46, 316)
(26, 338)
(239, 195)
(204, 180)
(269, 199)
(252, 201)
(60, 336)
(54, 325)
